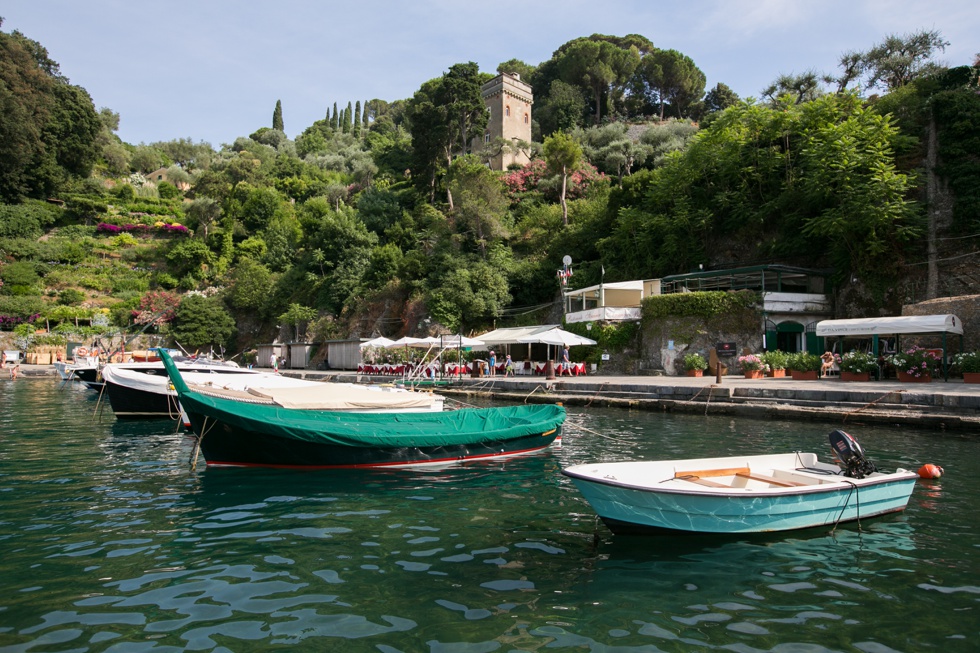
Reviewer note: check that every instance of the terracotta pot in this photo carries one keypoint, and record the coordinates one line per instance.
(777, 374)
(753, 374)
(855, 376)
(804, 376)
(695, 373)
(904, 377)
(971, 377)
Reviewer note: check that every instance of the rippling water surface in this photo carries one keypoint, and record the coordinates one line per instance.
(108, 542)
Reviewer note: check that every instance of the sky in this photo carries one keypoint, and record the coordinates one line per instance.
(212, 70)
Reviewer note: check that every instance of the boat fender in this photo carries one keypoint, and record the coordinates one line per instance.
(930, 471)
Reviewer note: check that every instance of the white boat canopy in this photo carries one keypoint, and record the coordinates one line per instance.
(905, 324)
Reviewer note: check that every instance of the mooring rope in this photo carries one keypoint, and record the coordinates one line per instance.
(588, 430)
(857, 494)
(872, 403)
(205, 429)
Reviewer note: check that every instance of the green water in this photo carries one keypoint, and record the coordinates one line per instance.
(109, 543)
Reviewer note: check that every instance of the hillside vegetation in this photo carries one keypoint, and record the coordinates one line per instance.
(384, 219)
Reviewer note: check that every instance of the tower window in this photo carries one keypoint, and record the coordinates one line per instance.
(486, 137)
(507, 111)
(525, 118)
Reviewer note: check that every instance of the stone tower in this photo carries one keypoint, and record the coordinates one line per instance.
(509, 100)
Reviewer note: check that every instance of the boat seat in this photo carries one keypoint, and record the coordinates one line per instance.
(772, 480)
(701, 481)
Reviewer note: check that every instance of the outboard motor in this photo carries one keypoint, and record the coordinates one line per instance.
(850, 455)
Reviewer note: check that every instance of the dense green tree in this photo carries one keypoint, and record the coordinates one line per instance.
(720, 98)
(469, 295)
(481, 202)
(191, 258)
(564, 108)
(813, 183)
(49, 129)
(597, 65)
(446, 115)
(356, 127)
(669, 78)
(277, 123)
(202, 323)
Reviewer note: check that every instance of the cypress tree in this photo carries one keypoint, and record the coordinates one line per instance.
(277, 117)
(365, 114)
(335, 121)
(345, 120)
(357, 119)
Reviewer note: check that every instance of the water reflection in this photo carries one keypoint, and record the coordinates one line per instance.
(112, 543)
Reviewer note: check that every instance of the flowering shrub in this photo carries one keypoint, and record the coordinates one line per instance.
(916, 362)
(529, 178)
(968, 362)
(750, 362)
(775, 359)
(142, 229)
(858, 362)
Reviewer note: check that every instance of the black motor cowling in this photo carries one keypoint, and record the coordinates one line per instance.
(850, 455)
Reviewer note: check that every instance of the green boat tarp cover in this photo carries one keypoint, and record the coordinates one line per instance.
(370, 429)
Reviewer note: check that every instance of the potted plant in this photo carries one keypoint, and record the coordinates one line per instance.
(969, 364)
(857, 366)
(751, 366)
(915, 365)
(695, 364)
(804, 366)
(776, 361)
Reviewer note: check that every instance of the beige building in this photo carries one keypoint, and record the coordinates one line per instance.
(509, 100)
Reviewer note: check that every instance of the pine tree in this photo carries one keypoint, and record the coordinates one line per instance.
(357, 119)
(277, 117)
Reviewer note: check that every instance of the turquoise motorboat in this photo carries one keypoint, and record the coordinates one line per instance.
(742, 494)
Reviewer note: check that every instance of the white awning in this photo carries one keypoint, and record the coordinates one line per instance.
(513, 335)
(905, 324)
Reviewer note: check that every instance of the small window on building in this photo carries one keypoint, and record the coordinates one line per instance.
(507, 111)
(486, 137)
(525, 118)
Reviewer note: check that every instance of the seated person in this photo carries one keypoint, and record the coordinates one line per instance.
(827, 363)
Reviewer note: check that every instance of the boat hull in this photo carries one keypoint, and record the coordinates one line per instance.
(131, 403)
(228, 445)
(668, 506)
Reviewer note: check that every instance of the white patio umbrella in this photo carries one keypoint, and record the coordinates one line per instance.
(380, 341)
(558, 337)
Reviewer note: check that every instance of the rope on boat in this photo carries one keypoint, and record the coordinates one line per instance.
(869, 404)
(857, 495)
(197, 445)
(100, 403)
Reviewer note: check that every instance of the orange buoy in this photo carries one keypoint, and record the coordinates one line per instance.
(930, 471)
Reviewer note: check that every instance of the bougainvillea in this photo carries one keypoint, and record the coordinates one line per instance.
(156, 307)
(142, 229)
(529, 178)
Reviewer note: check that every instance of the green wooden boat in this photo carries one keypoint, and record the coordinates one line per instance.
(243, 429)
